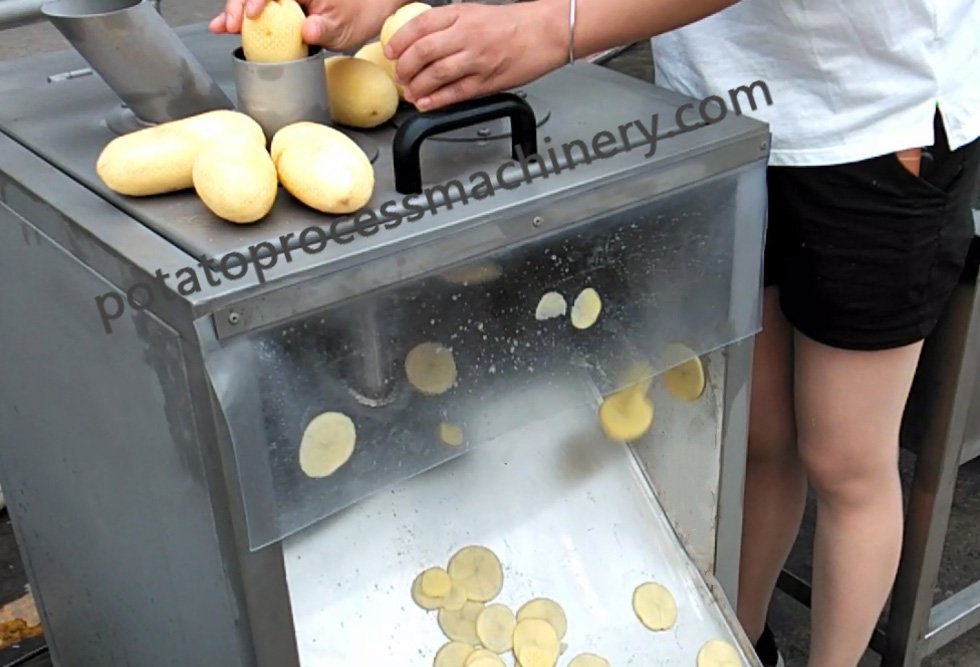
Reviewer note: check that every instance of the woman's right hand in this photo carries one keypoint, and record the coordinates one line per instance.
(336, 25)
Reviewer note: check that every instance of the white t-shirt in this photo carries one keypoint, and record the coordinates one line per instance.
(849, 79)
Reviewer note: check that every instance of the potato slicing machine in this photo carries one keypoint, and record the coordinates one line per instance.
(151, 461)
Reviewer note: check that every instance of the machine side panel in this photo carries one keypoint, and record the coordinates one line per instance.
(103, 474)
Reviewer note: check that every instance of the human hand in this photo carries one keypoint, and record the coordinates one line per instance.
(456, 52)
(336, 25)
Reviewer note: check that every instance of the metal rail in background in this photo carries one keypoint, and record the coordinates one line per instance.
(17, 13)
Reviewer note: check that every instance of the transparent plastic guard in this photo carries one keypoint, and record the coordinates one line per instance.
(678, 272)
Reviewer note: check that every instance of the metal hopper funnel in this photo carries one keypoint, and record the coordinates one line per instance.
(130, 45)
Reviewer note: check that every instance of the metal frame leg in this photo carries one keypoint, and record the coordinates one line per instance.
(915, 628)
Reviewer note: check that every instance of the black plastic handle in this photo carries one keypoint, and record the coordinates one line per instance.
(421, 126)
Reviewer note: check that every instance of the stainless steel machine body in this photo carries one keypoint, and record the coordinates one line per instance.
(150, 460)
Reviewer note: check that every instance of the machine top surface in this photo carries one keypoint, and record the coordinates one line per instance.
(63, 118)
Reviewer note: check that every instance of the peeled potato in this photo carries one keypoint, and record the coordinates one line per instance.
(331, 176)
(479, 571)
(160, 159)
(546, 610)
(655, 606)
(327, 444)
(375, 52)
(236, 180)
(306, 132)
(718, 653)
(275, 35)
(431, 369)
(404, 14)
(360, 93)
(685, 381)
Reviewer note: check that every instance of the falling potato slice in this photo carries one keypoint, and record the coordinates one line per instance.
(551, 305)
(327, 444)
(452, 654)
(718, 653)
(479, 571)
(685, 381)
(481, 655)
(536, 643)
(588, 660)
(546, 610)
(655, 606)
(450, 434)
(627, 414)
(586, 309)
(431, 368)
(421, 599)
(436, 583)
(461, 625)
(495, 628)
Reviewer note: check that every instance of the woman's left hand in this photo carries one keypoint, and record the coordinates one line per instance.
(456, 52)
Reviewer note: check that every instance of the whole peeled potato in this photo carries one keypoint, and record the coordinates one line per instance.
(404, 14)
(276, 34)
(360, 93)
(159, 160)
(375, 53)
(327, 173)
(235, 179)
(304, 132)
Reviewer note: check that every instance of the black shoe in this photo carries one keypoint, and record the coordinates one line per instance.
(767, 650)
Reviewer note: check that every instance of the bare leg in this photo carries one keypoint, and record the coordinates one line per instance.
(849, 411)
(775, 484)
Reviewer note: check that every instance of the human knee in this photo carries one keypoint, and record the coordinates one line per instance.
(847, 478)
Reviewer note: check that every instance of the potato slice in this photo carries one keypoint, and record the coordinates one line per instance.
(481, 654)
(331, 176)
(550, 306)
(236, 179)
(452, 654)
(655, 606)
(479, 571)
(431, 368)
(360, 93)
(421, 599)
(461, 625)
(586, 308)
(536, 643)
(626, 414)
(487, 661)
(436, 583)
(450, 434)
(456, 597)
(275, 35)
(546, 610)
(718, 653)
(588, 660)
(495, 628)
(327, 444)
(685, 381)
(404, 14)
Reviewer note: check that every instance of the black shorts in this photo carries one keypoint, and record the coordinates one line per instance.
(867, 254)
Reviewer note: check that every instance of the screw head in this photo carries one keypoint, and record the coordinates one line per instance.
(483, 132)
(234, 318)
(536, 221)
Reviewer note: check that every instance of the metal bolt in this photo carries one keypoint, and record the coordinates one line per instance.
(763, 145)
(234, 318)
(483, 132)
(536, 221)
